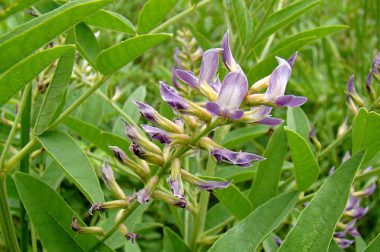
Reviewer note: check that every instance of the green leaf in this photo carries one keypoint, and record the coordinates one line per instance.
(264, 186)
(15, 78)
(153, 12)
(55, 94)
(244, 135)
(216, 214)
(284, 17)
(239, 15)
(66, 152)
(91, 133)
(173, 243)
(316, 224)
(365, 135)
(131, 110)
(28, 37)
(51, 217)
(53, 175)
(298, 122)
(250, 232)
(111, 20)
(92, 110)
(374, 246)
(86, 43)
(124, 52)
(318, 32)
(15, 7)
(305, 164)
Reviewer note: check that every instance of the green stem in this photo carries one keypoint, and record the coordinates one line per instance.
(334, 144)
(15, 159)
(179, 17)
(6, 222)
(24, 165)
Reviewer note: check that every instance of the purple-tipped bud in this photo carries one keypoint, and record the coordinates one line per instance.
(227, 56)
(292, 59)
(369, 190)
(131, 132)
(216, 85)
(209, 185)
(119, 154)
(137, 150)
(188, 77)
(96, 207)
(351, 229)
(147, 111)
(143, 196)
(75, 225)
(350, 85)
(132, 237)
(357, 212)
(158, 134)
(343, 243)
(242, 159)
(172, 98)
(107, 173)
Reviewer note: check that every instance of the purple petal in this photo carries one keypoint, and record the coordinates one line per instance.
(292, 59)
(119, 154)
(188, 77)
(278, 241)
(351, 85)
(278, 79)
(235, 114)
(228, 59)
(242, 159)
(358, 212)
(143, 196)
(215, 109)
(216, 85)
(341, 234)
(147, 111)
(171, 96)
(210, 185)
(343, 243)
(233, 91)
(156, 133)
(297, 101)
(177, 188)
(107, 173)
(290, 101)
(369, 190)
(131, 132)
(209, 66)
(351, 228)
(352, 202)
(174, 79)
(132, 237)
(270, 121)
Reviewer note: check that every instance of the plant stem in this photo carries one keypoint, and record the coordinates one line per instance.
(334, 144)
(179, 16)
(15, 159)
(8, 230)
(24, 165)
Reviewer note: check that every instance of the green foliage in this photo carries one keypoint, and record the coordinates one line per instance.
(110, 20)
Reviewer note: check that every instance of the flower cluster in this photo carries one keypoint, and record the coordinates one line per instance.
(218, 103)
(354, 211)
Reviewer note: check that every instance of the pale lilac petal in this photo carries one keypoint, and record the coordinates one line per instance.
(177, 187)
(216, 85)
(369, 190)
(290, 101)
(297, 101)
(188, 77)
(228, 59)
(209, 65)
(242, 159)
(158, 134)
(278, 79)
(292, 59)
(174, 79)
(270, 121)
(233, 91)
(147, 111)
(143, 196)
(210, 185)
(232, 114)
(171, 96)
(107, 173)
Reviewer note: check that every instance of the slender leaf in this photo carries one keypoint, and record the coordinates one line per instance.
(374, 246)
(92, 110)
(53, 175)
(28, 37)
(365, 134)
(240, 17)
(250, 232)
(55, 94)
(51, 217)
(121, 54)
(153, 12)
(86, 43)
(20, 74)
(285, 16)
(66, 152)
(264, 186)
(305, 164)
(316, 224)
(173, 243)
(110, 20)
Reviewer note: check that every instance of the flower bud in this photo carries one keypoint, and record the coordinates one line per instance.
(351, 91)
(148, 156)
(207, 185)
(143, 196)
(175, 181)
(137, 138)
(109, 180)
(342, 130)
(170, 199)
(85, 230)
(166, 137)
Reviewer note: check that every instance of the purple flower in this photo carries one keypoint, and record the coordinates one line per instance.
(210, 185)
(158, 134)
(209, 65)
(232, 94)
(147, 111)
(374, 69)
(143, 196)
(227, 56)
(261, 115)
(242, 159)
(343, 243)
(132, 237)
(277, 85)
(369, 190)
(173, 99)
